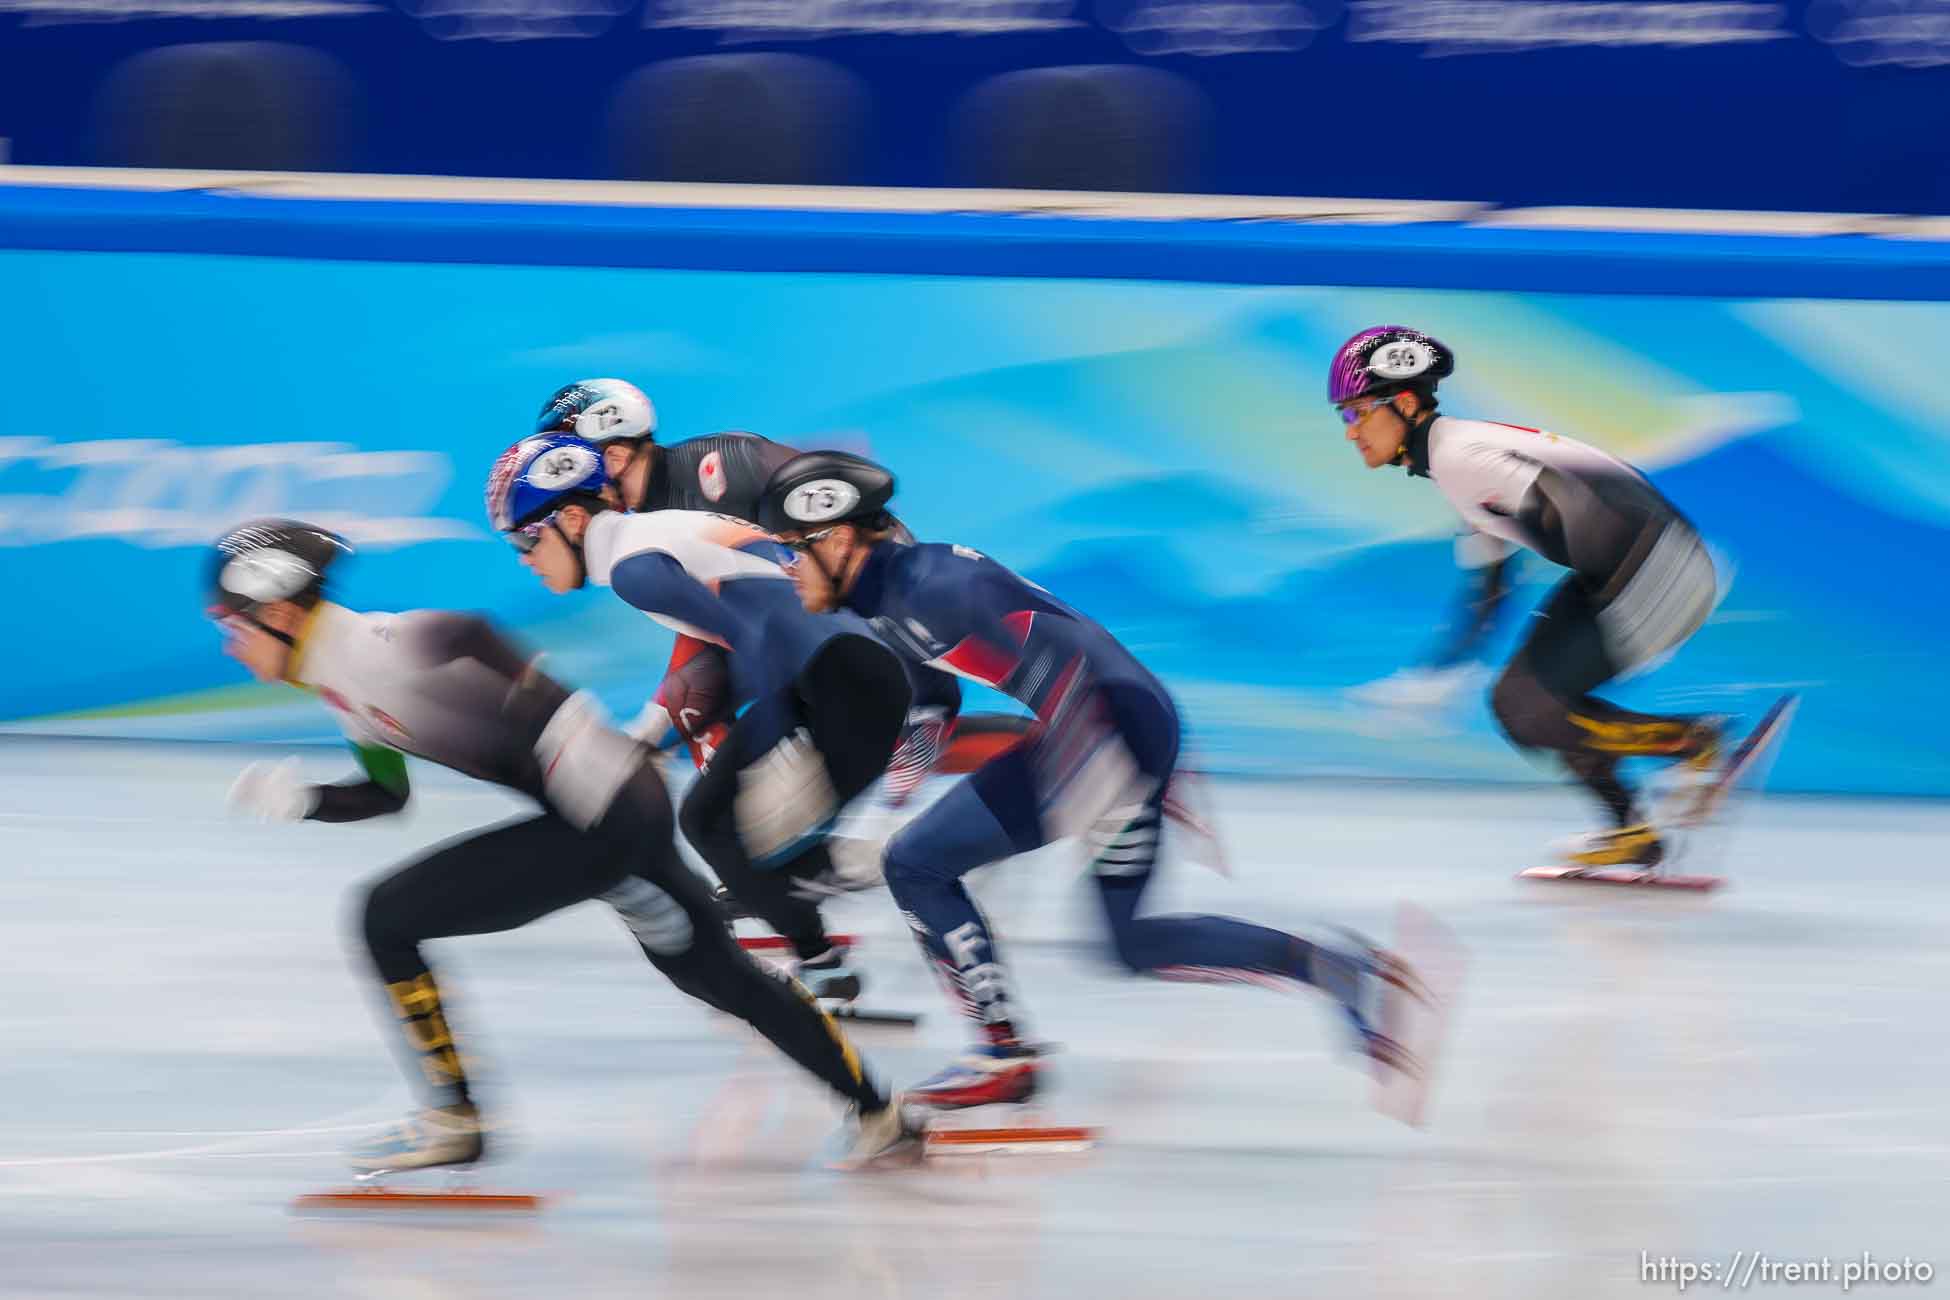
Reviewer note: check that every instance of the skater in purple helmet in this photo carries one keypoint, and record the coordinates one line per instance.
(1640, 582)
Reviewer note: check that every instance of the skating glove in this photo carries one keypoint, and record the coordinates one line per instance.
(783, 799)
(272, 792)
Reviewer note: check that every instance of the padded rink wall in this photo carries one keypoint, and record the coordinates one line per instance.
(1123, 398)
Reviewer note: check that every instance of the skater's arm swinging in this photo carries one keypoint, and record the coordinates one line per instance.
(1488, 562)
(384, 791)
(657, 583)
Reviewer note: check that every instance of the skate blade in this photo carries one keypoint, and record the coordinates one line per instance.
(1417, 1019)
(776, 943)
(860, 1015)
(1053, 1139)
(1630, 876)
(380, 1199)
(1747, 756)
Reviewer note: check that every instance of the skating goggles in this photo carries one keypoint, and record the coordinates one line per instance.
(529, 536)
(804, 542)
(235, 624)
(1359, 409)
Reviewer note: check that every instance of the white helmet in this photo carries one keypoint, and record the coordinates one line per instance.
(599, 410)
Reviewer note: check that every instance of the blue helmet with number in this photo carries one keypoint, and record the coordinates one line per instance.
(538, 476)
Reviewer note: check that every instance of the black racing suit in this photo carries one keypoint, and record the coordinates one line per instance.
(450, 689)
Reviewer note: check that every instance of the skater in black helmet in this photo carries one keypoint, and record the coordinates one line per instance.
(450, 689)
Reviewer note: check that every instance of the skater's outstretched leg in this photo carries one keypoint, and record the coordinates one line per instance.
(1215, 949)
(680, 927)
(1124, 843)
(669, 909)
(484, 883)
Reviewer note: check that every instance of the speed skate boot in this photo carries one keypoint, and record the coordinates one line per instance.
(891, 1131)
(986, 1075)
(1362, 978)
(830, 978)
(426, 1139)
(1638, 845)
(1694, 785)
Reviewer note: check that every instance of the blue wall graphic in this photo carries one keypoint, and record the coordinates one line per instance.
(1159, 454)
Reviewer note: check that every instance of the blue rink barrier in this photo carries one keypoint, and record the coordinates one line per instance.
(1131, 411)
(1433, 255)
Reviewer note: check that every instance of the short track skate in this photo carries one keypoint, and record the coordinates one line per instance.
(1695, 808)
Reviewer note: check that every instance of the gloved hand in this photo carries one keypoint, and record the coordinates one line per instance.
(272, 792)
(653, 726)
(856, 864)
(1423, 689)
(783, 799)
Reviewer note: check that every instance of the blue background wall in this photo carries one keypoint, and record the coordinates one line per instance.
(1157, 452)
(1810, 104)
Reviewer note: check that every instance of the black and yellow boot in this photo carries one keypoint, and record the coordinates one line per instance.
(1638, 845)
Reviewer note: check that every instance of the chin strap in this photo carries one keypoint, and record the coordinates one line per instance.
(582, 565)
(643, 450)
(833, 583)
(1409, 430)
(290, 641)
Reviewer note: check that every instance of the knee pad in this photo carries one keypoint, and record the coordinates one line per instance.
(658, 920)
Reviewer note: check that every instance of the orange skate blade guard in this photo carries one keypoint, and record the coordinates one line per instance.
(385, 1198)
(969, 1141)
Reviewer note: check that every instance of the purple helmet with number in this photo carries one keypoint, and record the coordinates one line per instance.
(1387, 359)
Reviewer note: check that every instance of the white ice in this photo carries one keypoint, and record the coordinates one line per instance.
(186, 1042)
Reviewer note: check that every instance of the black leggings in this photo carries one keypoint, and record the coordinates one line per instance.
(852, 698)
(503, 878)
(1543, 701)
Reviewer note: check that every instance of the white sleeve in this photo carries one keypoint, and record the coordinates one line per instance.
(1492, 478)
(1479, 550)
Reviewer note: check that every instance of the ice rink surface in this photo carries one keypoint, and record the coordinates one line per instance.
(188, 1042)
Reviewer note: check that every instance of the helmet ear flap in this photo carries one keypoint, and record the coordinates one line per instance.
(1424, 394)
